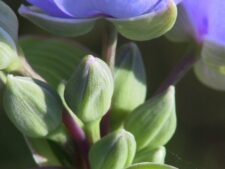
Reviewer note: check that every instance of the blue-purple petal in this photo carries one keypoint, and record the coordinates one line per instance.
(49, 7)
(198, 12)
(77, 8)
(124, 8)
(217, 21)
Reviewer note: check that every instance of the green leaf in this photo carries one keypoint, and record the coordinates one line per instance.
(148, 26)
(58, 26)
(54, 59)
(150, 166)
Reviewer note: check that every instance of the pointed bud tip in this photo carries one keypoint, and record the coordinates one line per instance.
(90, 59)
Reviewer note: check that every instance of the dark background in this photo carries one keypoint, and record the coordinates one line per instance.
(199, 142)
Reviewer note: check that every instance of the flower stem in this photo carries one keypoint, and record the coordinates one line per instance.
(78, 136)
(93, 131)
(110, 37)
(179, 70)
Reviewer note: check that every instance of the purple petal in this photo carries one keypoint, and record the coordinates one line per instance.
(124, 8)
(217, 21)
(178, 1)
(49, 7)
(77, 8)
(198, 11)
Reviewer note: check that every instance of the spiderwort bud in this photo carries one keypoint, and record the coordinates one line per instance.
(89, 92)
(8, 36)
(114, 151)
(156, 117)
(33, 107)
(151, 155)
(8, 50)
(129, 80)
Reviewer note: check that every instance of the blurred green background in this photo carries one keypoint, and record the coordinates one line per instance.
(199, 142)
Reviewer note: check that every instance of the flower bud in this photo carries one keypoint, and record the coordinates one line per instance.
(114, 151)
(8, 36)
(89, 91)
(151, 155)
(129, 80)
(33, 107)
(8, 51)
(156, 117)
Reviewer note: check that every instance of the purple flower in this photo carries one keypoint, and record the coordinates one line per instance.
(203, 20)
(135, 19)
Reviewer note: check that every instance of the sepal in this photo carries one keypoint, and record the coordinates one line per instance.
(151, 155)
(129, 81)
(210, 69)
(156, 117)
(114, 151)
(59, 26)
(33, 107)
(153, 24)
(89, 91)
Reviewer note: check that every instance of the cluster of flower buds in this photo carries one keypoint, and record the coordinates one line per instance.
(71, 118)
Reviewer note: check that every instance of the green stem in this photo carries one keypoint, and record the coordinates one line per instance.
(110, 37)
(93, 131)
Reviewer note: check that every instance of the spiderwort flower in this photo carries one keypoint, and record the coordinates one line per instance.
(135, 19)
(202, 21)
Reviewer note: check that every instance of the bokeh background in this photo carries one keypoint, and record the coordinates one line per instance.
(199, 142)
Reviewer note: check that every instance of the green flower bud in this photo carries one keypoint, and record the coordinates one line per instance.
(8, 50)
(89, 91)
(148, 165)
(151, 155)
(129, 80)
(114, 151)
(33, 107)
(8, 36)
(156, 118)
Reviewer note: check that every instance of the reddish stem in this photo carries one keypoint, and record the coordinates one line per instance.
(78, 136)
